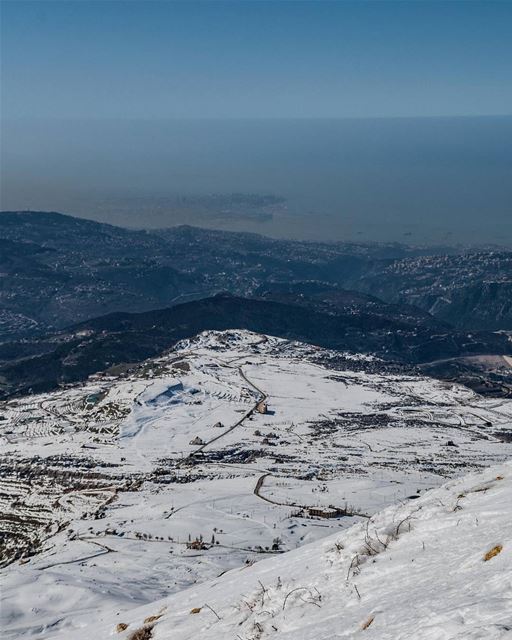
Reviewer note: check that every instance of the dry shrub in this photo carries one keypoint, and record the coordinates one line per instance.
(195, 610)
(144, 633)
(493, 552)
(150, 619)
(367, 623)
(122, 626)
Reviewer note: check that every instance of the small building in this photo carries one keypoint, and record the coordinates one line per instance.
(197, 441)
(218, 425)
(323, 512)
(262, 407)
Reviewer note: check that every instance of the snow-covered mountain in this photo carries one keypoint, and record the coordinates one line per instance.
(231, 448)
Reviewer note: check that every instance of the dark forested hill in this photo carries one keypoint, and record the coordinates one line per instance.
(120, 338)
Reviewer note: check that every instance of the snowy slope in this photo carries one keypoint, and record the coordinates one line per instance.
(103, 488)
(412, 571)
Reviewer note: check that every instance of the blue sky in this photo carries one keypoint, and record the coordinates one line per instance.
(100, 59)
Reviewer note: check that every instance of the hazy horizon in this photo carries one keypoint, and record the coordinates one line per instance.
(371, 120)
(405, 179)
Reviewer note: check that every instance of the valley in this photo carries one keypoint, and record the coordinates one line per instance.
(58, 270)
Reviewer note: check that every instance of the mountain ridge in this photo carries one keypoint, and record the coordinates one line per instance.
(97, 268)
(97, 344)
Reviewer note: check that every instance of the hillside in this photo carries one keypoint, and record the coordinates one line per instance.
(471, 290)
(230, 448)
(75, 269)
(439, 567)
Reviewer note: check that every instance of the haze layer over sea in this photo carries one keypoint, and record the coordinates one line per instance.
(405, 179)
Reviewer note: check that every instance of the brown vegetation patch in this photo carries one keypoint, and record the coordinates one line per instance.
(493, 552)
(144, 633)
(150, 619)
